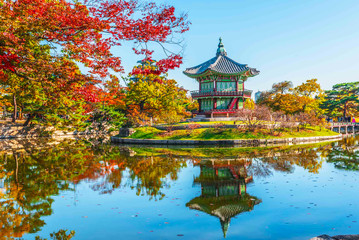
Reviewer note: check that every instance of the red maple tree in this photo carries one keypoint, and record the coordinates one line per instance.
(42, 43)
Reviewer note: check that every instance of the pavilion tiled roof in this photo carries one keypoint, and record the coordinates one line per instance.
(225, 207)
(220, 64)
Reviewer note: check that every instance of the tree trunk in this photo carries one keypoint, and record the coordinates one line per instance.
(17, 168)
(21, 114)
(142, 106)
(28, 120)
(345, 111)
(14, 117)
(4, 114)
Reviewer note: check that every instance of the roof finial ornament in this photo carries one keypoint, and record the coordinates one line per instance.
(221, 50)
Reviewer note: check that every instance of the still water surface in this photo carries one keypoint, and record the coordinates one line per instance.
(113, 192)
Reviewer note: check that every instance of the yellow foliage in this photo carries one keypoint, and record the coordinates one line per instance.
(249, 103)
(303, 98)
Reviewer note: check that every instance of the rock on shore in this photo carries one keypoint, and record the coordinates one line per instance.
(338, 237)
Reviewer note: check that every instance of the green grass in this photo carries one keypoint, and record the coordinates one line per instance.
(145, 133)
(222, 134)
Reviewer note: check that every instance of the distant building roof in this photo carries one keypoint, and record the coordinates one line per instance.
(257, 95)
(221, 64)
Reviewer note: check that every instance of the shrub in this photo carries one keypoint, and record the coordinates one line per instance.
(254, 118)
(191, 127)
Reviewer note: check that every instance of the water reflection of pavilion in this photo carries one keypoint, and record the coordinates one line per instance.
(224, 195)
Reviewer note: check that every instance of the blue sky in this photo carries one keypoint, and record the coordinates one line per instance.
(291, 40)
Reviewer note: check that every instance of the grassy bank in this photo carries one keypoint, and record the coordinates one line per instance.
(223, 133)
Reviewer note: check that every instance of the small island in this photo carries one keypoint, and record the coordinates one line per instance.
(226, 113)
(218, 132)
(221, 134)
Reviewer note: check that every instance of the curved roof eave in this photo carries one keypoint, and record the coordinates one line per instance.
(221, 64)
(253, 72)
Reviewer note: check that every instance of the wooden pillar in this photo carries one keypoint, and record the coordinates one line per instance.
(215, 86)
(199, 105)
(243, 92)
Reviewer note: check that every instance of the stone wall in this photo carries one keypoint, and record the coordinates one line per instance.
(12, 132)
(19, 144)
(125, 132)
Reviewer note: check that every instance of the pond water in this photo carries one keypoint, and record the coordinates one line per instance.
(116, 192)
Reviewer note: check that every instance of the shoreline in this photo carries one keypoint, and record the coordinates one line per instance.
(241, 142)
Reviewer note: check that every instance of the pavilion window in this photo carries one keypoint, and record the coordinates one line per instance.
(226, 86)
(207, 104)
(207, 87)
(222, 103)
(228, 190)
(209, 190)
(224, 173)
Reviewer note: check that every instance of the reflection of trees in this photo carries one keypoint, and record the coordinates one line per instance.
(264, 160)
(62, 234)
(29, 179)
(147, 174)
(151, 174)
(303, 157)
(259, 168)
(14, 221)
(25, 196)
(345, 154)
(224, 193)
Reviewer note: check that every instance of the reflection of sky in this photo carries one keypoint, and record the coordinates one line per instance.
(296, 205)
(2, 186)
